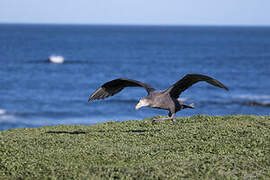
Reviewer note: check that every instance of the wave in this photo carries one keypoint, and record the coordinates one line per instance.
(253, 97)
(253, 100)
(2, 111)
(183, 99)
(255, 103)
(245, 103)
(4, 115)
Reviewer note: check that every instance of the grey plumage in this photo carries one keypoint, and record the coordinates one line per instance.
(166, 99)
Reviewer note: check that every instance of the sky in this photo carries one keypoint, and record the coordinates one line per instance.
(145, 12)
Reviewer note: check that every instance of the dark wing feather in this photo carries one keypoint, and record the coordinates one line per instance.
(115, 86)
(190, 79)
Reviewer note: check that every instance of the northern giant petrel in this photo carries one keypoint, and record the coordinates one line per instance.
(165, 99)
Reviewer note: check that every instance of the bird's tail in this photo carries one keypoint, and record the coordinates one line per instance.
(189, 106)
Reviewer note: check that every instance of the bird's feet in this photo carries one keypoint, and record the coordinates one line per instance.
(159, 119)
(163, 119)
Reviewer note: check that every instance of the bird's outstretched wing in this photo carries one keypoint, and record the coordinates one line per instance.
(115, 86)
(190, 79)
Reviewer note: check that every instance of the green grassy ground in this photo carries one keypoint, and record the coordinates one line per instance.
(197, 147)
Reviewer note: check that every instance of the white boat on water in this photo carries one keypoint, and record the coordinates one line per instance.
(56, 59)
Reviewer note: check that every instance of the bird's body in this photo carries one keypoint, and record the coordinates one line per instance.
(165, 99)
(162, 100)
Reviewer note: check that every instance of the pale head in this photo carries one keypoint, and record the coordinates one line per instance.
(143, 102)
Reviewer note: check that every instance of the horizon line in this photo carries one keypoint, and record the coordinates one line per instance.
(134, 24)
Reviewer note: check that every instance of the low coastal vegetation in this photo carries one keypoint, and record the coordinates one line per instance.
(209, 147)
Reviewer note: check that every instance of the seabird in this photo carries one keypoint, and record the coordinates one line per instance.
(161, 99)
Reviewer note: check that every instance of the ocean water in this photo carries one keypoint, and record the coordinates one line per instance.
(35, 92)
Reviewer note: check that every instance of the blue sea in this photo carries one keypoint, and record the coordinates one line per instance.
(35, 92)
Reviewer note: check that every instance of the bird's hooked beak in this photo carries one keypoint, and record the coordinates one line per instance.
(141, 103)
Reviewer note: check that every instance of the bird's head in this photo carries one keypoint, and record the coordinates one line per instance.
(143, 102)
